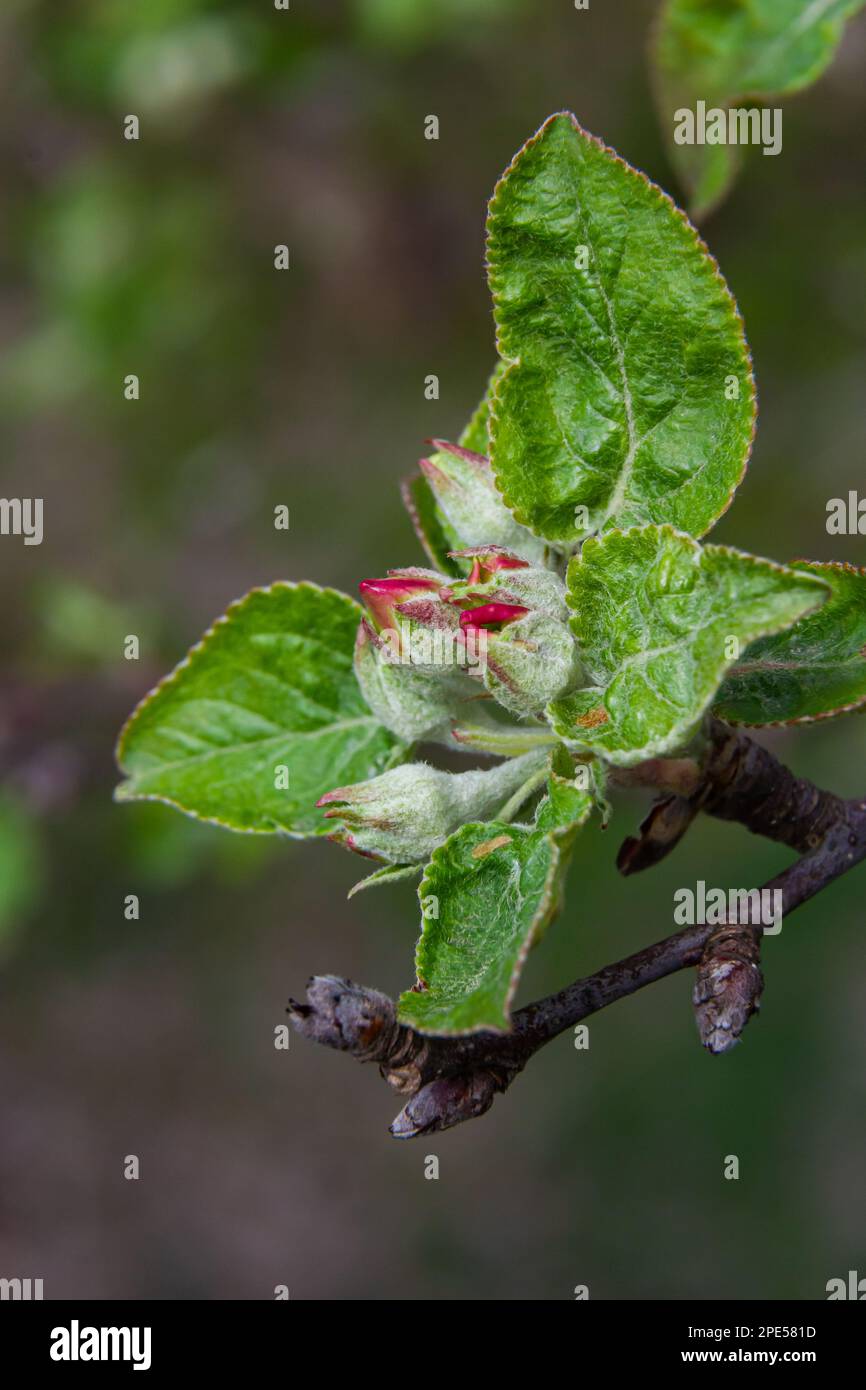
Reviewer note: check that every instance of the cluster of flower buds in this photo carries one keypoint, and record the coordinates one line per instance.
(484, 606)
(431, 645)
(505, 623)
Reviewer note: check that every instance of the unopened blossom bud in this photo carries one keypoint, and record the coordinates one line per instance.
(448, 1101)
(415, 704)
(527, 655)
(487, 560)
(533, 662)
(432, 638)
(403, 815)
(382, 596)
(500, 576)
(464, 487)
(417, 627)
(529, 661)
(488, 615)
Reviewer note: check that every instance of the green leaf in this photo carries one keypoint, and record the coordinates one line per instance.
(628, 396)
(23, 871)
(570, 793)
(815, 670)
(658, 620)
(487, 896)
(405, 26)
(269, 686)
(389, 873)
(476, 435)
(723, 52)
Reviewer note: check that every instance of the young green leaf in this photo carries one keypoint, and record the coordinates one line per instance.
(490, 887)
(477, 433)
(571, 793)
(628, 396)
(658, 620)
(487, 896)
(387, 874)
(469, 505)
(262, 717)
(722, 52)
(815, 670)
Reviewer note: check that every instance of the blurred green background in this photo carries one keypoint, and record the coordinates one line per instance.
(155, 1037)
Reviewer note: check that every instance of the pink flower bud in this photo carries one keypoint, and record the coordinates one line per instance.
(490, 614)
(382, 596)
(488, 561)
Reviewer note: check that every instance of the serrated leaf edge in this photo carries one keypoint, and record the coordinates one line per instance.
(662, 198)
(855, 707)
(555, 839)
(122, 794)
(685, 727)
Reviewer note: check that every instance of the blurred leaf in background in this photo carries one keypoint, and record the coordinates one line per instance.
(722, 52)
(76, 626)
(22, 869)
(410, 23)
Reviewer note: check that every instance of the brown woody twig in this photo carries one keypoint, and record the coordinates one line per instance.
(451, 1079)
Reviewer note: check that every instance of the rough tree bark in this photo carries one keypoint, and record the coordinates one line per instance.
(448, 1080)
